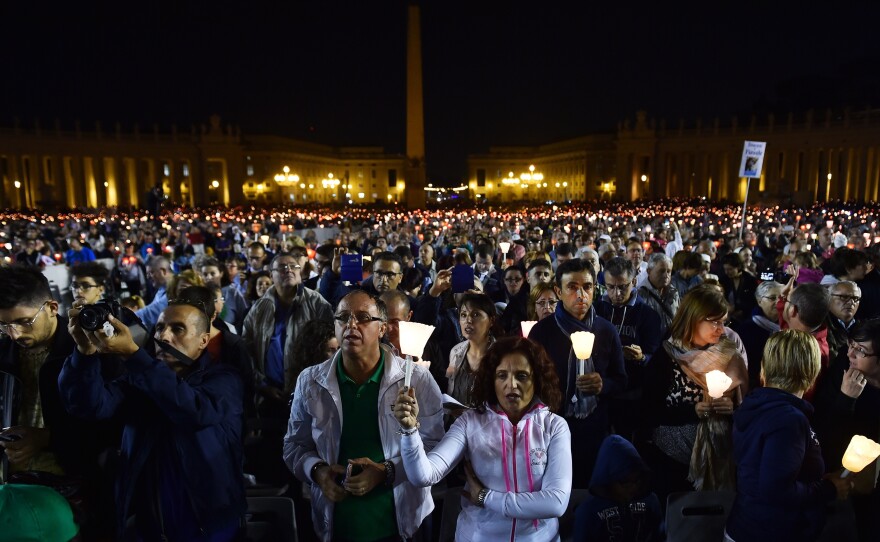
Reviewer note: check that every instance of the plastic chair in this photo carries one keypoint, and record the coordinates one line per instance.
(270, 519)
(698, 516)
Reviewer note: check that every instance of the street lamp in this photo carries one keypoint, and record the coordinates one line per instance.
(287, 180)
(330, 182)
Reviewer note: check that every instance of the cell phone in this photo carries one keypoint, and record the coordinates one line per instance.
(767, 275)
(462, 279)
(351, 268)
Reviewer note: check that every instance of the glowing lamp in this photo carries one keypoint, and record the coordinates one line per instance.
(264, 239)
(582, 342)
(829, 224)
(57, 257)
(527, 326)
(860, 452)
(413, 338)
(718, 383)
(505, 246)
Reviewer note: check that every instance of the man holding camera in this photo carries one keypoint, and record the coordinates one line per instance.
(43, 437)
(181, 453)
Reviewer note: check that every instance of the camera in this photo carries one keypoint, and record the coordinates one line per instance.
(92, 317)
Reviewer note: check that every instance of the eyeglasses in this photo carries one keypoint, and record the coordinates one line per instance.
(547, 303)
(21, 326)
(284, 268)
(854, 299)
(386, 275)
(717, 323)
(617, 288)
(82, 286)
(773, 298)
(360, 318)
(860, 350)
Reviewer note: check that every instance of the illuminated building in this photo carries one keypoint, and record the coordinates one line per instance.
(48, 168)
(809, 158)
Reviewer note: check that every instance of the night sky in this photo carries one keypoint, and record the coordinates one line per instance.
(494, 73)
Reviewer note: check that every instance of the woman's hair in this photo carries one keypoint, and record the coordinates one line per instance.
(534, 294)
(482, 302)
(187, 275)
(546, 383)
(251, 294)
(308, 347)
(867, 331)
(846, 259)
(806, 259)
(700, 303)
(791, 361)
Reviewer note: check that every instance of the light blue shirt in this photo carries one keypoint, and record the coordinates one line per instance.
(149, 315)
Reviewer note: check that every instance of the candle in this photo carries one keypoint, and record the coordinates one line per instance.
(505, 247)
(860, 452)
(413, 338)
(718, 383)
(582, 341)
(527, 326)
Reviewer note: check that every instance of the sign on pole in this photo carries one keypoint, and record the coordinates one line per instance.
(752, 159)
(750, 168)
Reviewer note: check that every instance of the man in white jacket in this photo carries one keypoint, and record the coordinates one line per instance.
(342, 438)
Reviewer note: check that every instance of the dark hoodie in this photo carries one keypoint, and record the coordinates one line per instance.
(601, 519)
(780, 491)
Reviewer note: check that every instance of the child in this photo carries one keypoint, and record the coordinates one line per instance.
(620, 507)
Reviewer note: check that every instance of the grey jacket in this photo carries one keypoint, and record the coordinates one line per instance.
(260, 324)
(666, 305)
(315, 427)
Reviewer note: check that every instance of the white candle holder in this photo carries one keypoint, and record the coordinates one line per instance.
(859, 454)
(413, 338)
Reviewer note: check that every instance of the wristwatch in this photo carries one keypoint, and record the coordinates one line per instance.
(481, 497)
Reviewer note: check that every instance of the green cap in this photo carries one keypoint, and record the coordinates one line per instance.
(35, 513)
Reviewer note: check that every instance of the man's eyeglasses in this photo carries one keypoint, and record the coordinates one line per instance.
(82, 286)
(513, 280)
(286, 268)
(854, 299)
(617, 287)
(860, 350)
(22, 325)
(386, 275)
(360, 318)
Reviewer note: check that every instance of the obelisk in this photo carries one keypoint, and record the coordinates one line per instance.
(415, 174)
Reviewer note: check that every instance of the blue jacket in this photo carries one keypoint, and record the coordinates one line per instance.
(599, 518)
(637, 323)
(781, 495)
(191, 426)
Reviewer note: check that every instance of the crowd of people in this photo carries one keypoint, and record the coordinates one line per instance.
(165, 365)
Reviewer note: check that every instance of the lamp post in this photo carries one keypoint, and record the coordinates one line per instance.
(331, 183)
(532, 176)
(287, 180)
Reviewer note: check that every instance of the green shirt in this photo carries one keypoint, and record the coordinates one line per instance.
(371, 516)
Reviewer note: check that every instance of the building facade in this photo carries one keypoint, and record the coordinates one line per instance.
(52, 168)
(808, 158)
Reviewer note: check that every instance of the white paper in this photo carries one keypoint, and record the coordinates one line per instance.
(451, 402)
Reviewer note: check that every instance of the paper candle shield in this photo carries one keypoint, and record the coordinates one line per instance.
(860, 452)
(527, 326)
(718, 383)
(414, 337)
(504, 246)
(582, 341)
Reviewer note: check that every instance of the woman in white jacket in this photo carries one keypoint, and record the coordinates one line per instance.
(517, 452)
